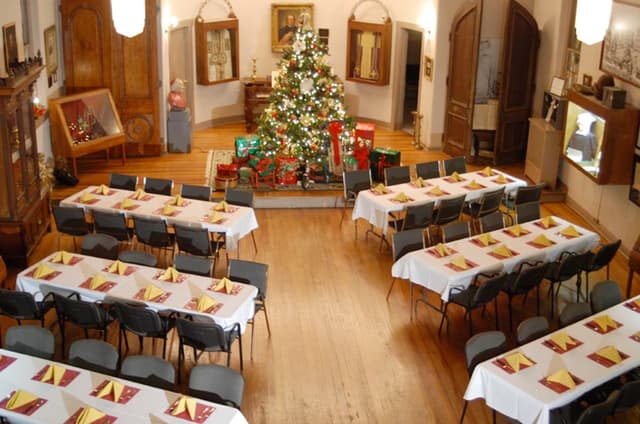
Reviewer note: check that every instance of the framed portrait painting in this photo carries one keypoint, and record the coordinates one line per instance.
(286, 18)
(10, 39)
(51, 50)
(620, 55)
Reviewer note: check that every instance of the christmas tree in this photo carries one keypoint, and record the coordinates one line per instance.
(305, 107)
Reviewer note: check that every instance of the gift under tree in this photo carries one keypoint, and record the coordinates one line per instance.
(307, 98)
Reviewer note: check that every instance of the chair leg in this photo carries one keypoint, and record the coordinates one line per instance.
(253, 326)
(140, 341)
(495, 311)
(629, 283)
(266, 317)
(444, 316)
(464, 411)
(255, 245)
(510, 314)
(470, 322)
(164, 347)
(390, 288)
(240, 346)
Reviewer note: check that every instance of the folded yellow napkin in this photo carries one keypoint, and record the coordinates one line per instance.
(185, 403)
(205, 302)
(637, 303)
(460, 262)
(474, 184)
(516, 230)
(570, 231)
(118, 267)
(562, 340)
(401, 197)
(89, 415)
(487, 171)
(419, 182)
(170, 274)
(221, 206)
(604, 322)
(112, 387)
(97, 281)
(456, 177)
(216, 217)
(224, 283)
(486, 239)
(177, 200)
(62, 257)
(42, 271)
(168, 210)
(501, 179)
(548, 221)
(86, 197)
(442, 249)
(503, 251)
(610, 353)
(103, 189)
(152, 292)
(516, 359)
(542, 240)
(139, 194)
(127, 204)
(562, 377)
(436, 191)
(20, 398)
(380, 188)
(55, 373)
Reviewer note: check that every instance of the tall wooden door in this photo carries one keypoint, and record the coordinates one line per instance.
(461, 81)
(96, 56)
(519, 55)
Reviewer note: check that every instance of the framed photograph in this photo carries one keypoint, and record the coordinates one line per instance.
(217, 51)
(620, 55)
(285, 19)
(428, 68)
(51, 50)
(557, 86)
(369, 52)
(10, 39)
(634, 189)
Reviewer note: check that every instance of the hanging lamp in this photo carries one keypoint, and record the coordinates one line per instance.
(592, 20)
(128, 16)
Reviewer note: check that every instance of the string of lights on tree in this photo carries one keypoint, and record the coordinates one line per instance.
(306, 98)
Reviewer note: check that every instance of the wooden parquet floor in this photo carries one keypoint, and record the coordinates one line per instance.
(338, 352)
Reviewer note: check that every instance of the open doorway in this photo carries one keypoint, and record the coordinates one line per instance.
(181, 59)
(412, 78)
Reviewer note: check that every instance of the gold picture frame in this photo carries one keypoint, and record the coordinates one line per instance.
(428, 68)
(285, 18)
(51, 50)
(217, 46)
(10, 43)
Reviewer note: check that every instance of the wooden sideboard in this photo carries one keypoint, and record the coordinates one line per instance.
(256, 98)
(544, 148)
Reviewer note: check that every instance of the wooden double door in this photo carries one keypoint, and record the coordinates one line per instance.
(95, 56)
(516, 83)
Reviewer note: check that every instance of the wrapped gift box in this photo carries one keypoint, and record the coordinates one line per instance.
(286, 170)
(244, 174)
(380, 158)
(365, 130)
(227, 170)
(263, 164)
(361, 152)
(247, 145)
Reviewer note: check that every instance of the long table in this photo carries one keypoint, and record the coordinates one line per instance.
(239, 222)
(375, 208)
(237, 307)
(522, 396)
(145, 404)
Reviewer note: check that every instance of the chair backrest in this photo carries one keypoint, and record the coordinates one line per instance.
(100, 245)
(449, 210)
(573, 312)
(528, 276)
(30, 340)
(158, 185)
(152, 231)
(483, 346)
(149, 370)
(195, 192)
(452, 165)
(95, 355)
(603, 256)
(122, 181)
(397, 175)
(526, 212)
(193, 240)
(491, 222)
(70, 220)
(426, 170)
(418, 215)
(488, 289)
(598, 413)
(202, 335)
(216, 383)
(79, 312)
(570, 265)
(490, 202)
(528, 194)
(138, 257)
(455, 231)
(605, 294)
(18, 305)
(138, 319)
(254, 273)
(531, 329)
(198, 265)
(407, 241)
(111, 223)
(355, 182)
(629, 396)
(239, 197)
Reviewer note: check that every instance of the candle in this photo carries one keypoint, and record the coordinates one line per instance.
(20, 51)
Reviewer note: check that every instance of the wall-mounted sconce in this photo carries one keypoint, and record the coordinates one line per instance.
(173, 22)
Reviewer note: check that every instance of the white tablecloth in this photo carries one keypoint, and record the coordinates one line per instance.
(376, 208)
(235, 309)
(522, 397)
(427, 270)
(146, 406)
(236, 225)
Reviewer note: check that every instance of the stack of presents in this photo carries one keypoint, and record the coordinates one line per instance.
(251, 165)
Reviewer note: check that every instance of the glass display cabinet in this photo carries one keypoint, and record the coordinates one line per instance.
(368, 52)
(217, 51)
(24, 209)
(85, 123)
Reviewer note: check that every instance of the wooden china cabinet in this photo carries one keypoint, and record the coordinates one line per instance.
(24, 209)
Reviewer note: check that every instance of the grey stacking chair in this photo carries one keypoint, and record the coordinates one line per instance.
(531, 329)
(526, 277)
(493, 221)
(573, 312)
(143, 322)
(70, 221)
(354, 183)
(94, 355)
(605, 294)
(198, 241)
(217, 384)
(567, 266)
(21, 306)
(153, 233)
(30, 340)
(598, 413)
(158, 185)
(123, 181)
(100, 245)
(195, 192)
(405, 242)
(194, 264)
(598, 260)
(489, 203)
(397, 175)
(138, 257)
(417, 215)
(149, 370)
(455, 231)
(527, 212)
(452, 165)
(427, 170)
(113, 224)
(629, 397)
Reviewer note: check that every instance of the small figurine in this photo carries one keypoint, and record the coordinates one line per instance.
(176, 95)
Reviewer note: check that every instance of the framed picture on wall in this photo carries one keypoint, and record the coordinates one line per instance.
(217, 51)
(285, 20)
(10, 40)
(51, 50)
(369, 52)
(620, 55)
(634, 190)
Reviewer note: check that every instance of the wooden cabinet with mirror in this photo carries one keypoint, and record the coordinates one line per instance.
(216, 51)
(368, 52)
(24, 209)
